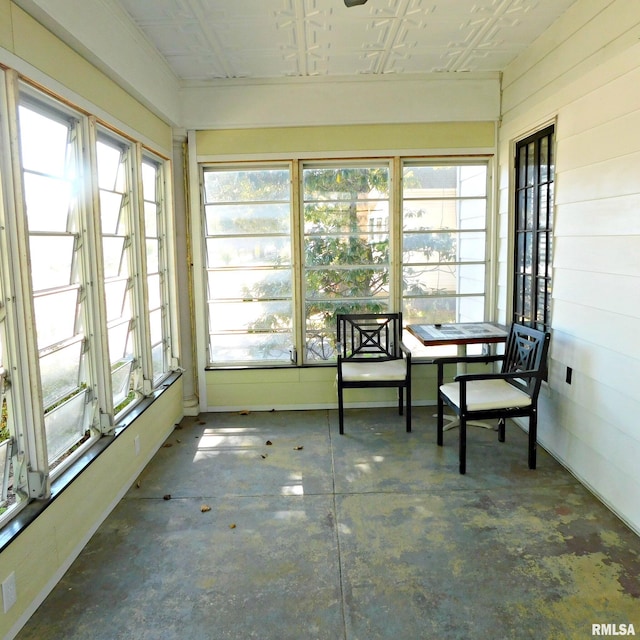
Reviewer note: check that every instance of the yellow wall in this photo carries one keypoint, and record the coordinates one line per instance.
(347, 139)
(26, 38)
(264, 389)
(296, 388)
(44, 550)
(6, 37)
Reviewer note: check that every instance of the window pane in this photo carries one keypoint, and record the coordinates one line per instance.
(443, 309)
(119, 342)
(155, 323)
(110, 206)
(150, 219)
(113, 250)
(48, 202)
(247, 216)
(256, 251)
(60, 373)
(253, 316)
(43, 143)
(346, 247)
(444, 247)
(253, 185)
(247, 219)
(153, 287)
(361, 283)
(324, 184)
(56, 315)
(120, 380)
(116, 298)
(109, 158)
(346, 250)
(256, 347)
(442, 279)
(65, 425)
(252, 283)
(157, 357)
(444, 242)
(149, 178)
(51, 261)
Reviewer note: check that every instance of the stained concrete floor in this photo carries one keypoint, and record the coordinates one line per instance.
(365, 536)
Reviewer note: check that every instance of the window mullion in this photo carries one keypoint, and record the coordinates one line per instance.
(297, 228)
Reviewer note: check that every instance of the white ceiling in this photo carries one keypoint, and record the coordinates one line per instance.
(210, 39)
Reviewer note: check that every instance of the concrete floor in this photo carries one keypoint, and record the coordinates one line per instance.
(365, 536)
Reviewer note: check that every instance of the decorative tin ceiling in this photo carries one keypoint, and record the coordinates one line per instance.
(208, 39)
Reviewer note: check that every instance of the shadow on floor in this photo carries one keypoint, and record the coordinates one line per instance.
(272, 526)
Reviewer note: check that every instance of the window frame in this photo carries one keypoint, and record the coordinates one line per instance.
(21, 355)
(542, 234)
(395, 164)
(208, 270)
(381, 303)
(457, 199)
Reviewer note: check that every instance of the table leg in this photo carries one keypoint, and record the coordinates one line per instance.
(454, 421)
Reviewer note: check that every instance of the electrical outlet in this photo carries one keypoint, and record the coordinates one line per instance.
(569, 375)
(136, 445)
(9, 593)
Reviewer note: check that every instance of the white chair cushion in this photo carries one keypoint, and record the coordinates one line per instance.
(384, 370)
(487, 394)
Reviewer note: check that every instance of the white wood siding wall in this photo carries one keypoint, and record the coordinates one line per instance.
(584, 74)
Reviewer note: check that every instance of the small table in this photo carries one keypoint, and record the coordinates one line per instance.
(460, 334)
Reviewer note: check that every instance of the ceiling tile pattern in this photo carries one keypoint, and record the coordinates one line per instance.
(209, 39)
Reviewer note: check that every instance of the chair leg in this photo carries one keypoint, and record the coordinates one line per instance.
(340, 411)
(501, 429)
(408, 409)
(463, 445)
(400, 400)
(440, 420)
(533, 439)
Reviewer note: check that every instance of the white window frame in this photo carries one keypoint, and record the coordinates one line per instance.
(396, 298)
(20, 353)
(210, 300)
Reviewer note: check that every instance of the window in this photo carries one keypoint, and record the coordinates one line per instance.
(444, 229)
(85, 331)
(116, 203)
(345, 248)
(50, 145)
(157, 261)
(535, 172)
(286, 248)
(249, 264)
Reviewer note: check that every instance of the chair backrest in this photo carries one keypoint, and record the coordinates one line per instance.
(366, 336)
(526, 350)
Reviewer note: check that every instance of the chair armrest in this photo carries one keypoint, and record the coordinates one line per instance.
(405, 350)
(455, 359)
(465, 377)
(485, 359)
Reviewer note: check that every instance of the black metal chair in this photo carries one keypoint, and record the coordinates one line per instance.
(371, 354)
(510, 394)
